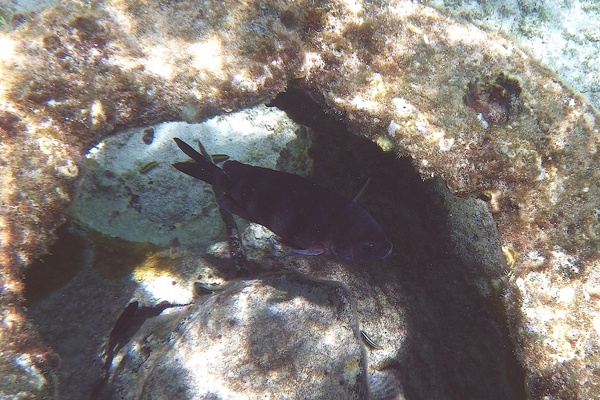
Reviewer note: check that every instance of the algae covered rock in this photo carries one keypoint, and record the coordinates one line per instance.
(538, 168)
(563, 35)
(282, 336)
(70, 75)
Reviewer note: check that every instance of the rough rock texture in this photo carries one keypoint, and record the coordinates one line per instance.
(251, 341)
(396, 72)
(539, 169)
(564, 35)
(75, 73)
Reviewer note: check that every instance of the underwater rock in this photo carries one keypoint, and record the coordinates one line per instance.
(130, 189)
(540, 169)
(396, 73)
(282, 336)
(563, 35)
(75, 73)
(451, 251)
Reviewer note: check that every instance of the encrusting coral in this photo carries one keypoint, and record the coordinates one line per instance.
(398, 73)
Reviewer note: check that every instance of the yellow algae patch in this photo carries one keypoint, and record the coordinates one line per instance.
(156, 271)
(158, 277)
(156, 264)
(115, 257)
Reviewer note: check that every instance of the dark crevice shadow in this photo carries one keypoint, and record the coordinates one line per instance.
(458, 345)
(76, 312)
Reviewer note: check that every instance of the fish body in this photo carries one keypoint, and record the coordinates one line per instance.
(307, 216)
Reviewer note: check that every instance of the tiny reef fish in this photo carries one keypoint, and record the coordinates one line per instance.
(308, 217)
(368, 341)
(149, 166)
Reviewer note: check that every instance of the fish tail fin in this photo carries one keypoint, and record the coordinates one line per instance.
(200, 168)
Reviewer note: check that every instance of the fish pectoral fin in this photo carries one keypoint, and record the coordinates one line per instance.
(289, 249)
(312, 251)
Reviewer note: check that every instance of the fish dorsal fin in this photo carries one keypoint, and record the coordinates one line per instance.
(362, 190)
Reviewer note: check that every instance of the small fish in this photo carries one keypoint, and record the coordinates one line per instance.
(122, 325)
(303, 214)
(148, 166)
(368, 341)
(128, 323)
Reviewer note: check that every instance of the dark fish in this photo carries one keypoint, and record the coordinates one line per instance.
(128, 323)
(219, 158)
(305, 215)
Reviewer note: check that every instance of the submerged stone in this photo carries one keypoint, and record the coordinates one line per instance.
(282, 336)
